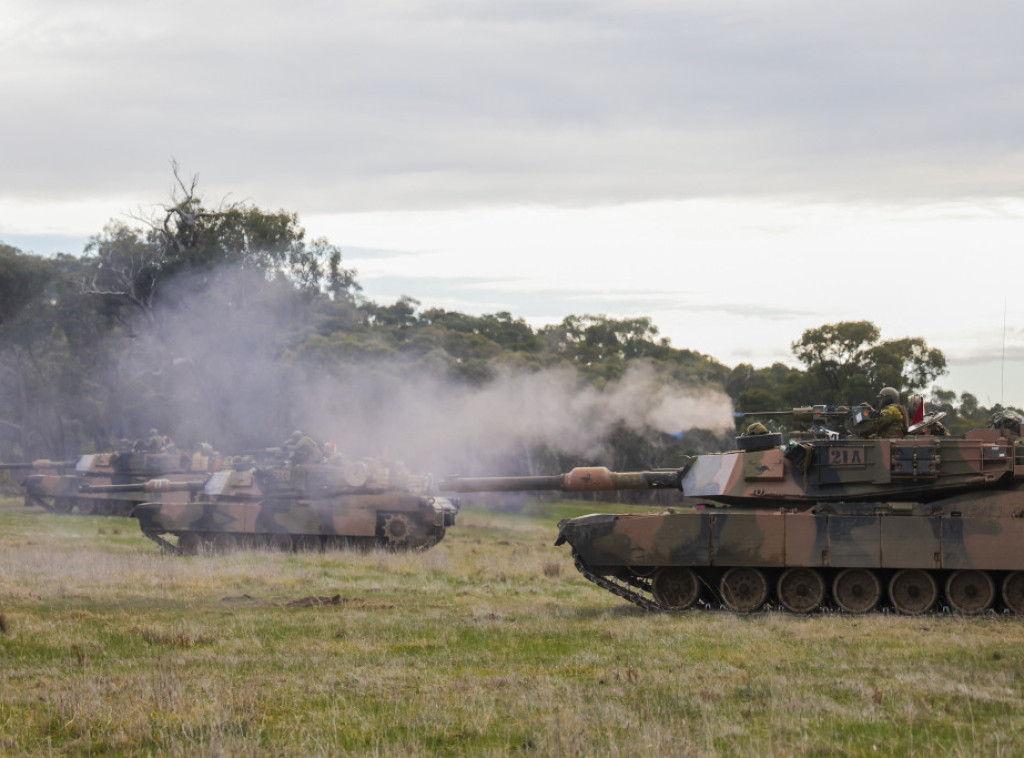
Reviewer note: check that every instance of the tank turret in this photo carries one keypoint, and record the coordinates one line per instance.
(825, 520)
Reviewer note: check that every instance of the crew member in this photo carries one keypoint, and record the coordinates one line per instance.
(891, 421)
(303, 449)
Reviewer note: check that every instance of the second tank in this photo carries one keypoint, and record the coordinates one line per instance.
(366, 502)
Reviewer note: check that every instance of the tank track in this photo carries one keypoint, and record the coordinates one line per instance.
(636, 590)
(418, 546)
(169, 547)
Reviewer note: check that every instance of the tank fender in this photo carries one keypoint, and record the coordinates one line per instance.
(561, 532)
(442, 509)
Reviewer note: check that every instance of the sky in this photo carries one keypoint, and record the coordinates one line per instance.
(738, 172)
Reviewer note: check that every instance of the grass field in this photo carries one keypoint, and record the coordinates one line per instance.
(488, 644)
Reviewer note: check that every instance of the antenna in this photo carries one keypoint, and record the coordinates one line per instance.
(1002, 366)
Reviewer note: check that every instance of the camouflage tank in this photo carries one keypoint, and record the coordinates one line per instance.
(61, 491)
(828, 519)
(31, 468)
(42, 464)
(303, 506)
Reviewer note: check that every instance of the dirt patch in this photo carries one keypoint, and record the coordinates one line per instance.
(313, 600)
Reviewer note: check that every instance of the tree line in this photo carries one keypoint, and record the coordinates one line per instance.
(157, 313)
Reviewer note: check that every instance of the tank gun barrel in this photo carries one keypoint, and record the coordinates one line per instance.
(42, 463)
(153, 485)
(582, 479)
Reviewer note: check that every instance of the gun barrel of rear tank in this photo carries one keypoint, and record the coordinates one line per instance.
(43, 463)
(153, 485)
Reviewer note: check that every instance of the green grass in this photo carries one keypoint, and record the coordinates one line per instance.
(488, 644)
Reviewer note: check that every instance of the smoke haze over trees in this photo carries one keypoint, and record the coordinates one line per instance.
(223, 323)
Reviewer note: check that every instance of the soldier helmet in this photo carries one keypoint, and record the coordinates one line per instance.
(888, 396)
(757, 428)
(153, 433)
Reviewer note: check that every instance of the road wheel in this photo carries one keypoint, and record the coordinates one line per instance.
(1013, 592)
(63, 505)
(970, 592)
(801, 590)
(309, 543)
(744, 589)
(856, 590)
(913, 591)
(250, 542)
(676, 588)
(189, 543)
(283, 542)
(86, 506)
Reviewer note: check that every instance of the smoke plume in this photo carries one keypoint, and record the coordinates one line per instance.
(221, 365)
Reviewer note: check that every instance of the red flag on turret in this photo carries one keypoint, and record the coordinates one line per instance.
(918, 413)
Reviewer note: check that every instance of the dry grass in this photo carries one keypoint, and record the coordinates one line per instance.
(489, 644)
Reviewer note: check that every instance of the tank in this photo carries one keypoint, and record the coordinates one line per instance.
(826, 520)
(42, 464)
(365, 502)
(61, 491)
(19, 471)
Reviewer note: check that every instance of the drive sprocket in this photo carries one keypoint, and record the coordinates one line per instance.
(397, 530)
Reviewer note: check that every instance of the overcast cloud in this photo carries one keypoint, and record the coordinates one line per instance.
(390, 105)
(691, 161)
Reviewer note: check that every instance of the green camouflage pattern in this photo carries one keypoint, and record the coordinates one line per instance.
(913, 523)
(305, 506)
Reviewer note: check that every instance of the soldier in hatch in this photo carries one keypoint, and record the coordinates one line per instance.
(891, 421)
(153, 443)
(301, 448)
(755, 429)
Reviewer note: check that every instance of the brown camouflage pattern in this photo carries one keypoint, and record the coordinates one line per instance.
(914, 523)
(306, 506)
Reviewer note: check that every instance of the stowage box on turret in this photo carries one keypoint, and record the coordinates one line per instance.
(828, 519)
(301, 506)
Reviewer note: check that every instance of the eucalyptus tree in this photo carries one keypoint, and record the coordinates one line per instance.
(848, 362)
